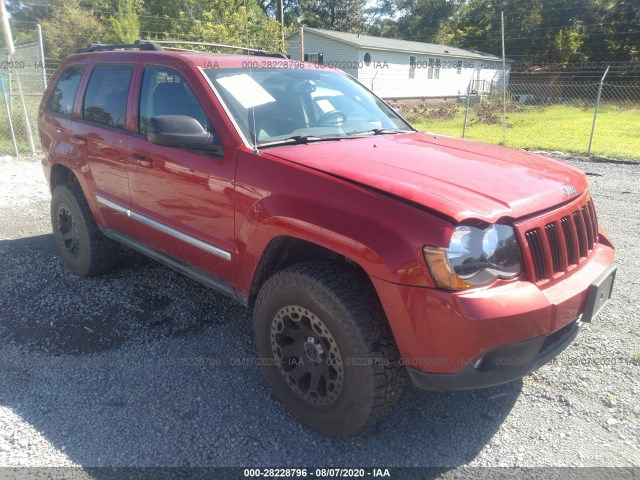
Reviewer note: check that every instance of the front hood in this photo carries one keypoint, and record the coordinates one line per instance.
(458, 178)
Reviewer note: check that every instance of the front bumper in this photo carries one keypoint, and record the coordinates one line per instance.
(484, 337)
(501, 365)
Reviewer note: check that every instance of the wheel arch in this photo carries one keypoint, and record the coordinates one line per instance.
(61, 175)
(284, 251)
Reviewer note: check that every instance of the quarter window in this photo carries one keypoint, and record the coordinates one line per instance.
(64, 93)
(166, 92)
(105, 100)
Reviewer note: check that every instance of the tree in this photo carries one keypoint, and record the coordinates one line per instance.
(342, 15)
(69, 27)
(292, 10)
(424, 19)
(236, 22)
(125, 27)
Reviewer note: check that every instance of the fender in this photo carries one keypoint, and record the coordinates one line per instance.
(385, 238)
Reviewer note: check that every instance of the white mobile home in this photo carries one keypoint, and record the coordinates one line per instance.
(399, 68)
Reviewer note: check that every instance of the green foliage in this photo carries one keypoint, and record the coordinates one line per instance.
(536, 32)
(234, 22)
(69, 28)
(428, 17)
(341, 15)
(125, 27)
(563, 128)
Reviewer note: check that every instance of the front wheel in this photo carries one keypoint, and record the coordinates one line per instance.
(326, 347)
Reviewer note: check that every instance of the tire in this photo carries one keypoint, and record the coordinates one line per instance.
(328, 317)
(81, 245)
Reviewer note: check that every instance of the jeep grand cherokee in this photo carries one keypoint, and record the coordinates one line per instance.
(366, 249)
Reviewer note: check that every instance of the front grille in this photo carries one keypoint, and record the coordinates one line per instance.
(533, 238)
(562, 241)
(554, 244)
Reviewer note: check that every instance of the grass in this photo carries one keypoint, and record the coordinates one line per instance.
(19, 126)
(563, 128)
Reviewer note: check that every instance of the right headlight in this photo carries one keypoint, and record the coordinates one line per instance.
(475, 257)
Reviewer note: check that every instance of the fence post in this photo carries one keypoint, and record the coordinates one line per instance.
(595, 113)
(6, 102)
(466, 107)
(41, 48)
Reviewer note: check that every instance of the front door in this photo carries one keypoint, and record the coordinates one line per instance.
(181, 200)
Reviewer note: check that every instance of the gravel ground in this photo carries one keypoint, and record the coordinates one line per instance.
(140, 368)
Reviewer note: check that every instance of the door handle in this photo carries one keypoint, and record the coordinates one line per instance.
(78, 140)
(141, 160)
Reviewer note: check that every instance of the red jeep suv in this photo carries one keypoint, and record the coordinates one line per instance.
(366, 249)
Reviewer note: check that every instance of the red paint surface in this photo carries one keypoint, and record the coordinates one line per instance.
(375, 200)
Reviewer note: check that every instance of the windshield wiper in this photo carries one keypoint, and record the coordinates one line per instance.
(299, 139)
(380, 131)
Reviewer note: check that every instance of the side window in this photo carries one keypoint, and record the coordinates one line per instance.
(166, 92)
(64, 93)
(105, 100)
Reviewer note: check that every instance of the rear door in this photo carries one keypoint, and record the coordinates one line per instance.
(55, 117)
(182, 200)
(99, 135)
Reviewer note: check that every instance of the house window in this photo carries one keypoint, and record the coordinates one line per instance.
(314, 58)
(436, 72)
(430, 68)
(412, 67)
(459, 69)
(367, 59)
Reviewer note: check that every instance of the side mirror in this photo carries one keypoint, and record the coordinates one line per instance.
(180, 131)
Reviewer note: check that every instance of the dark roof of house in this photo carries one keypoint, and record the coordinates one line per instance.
(393, 44)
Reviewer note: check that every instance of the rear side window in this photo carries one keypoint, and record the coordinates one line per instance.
(165, 92)
(64, 93)
(105, 100)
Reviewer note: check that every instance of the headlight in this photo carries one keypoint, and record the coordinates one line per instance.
(475, 257)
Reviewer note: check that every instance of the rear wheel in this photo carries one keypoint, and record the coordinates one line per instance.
(81, 245)
(327, 347)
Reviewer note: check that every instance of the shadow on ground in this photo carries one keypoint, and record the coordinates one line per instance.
(143, 367)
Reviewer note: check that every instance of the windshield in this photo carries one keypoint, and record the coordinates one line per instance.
(278, 106)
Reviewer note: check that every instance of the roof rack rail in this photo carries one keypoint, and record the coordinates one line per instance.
(250, 51)
(157, 45)
(138, 44)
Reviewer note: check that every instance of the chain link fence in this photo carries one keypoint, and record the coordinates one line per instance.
(22, 91)
(23, 79)
(541, 115)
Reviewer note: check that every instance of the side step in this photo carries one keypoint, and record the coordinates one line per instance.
(179, 266)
